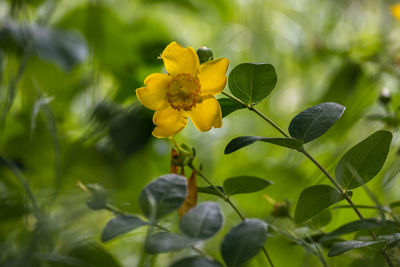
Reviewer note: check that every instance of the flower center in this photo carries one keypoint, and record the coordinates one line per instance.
(183, 92)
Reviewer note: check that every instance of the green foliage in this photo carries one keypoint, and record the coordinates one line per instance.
(363, 161)
(59, 47)
(366, 224)
(244, 184)
(244, 241)
(240, 142)
(228, 106)
(196, 261)
(252, 82)
(342, 247)
(314, 200)
(121, 224)
(166, 242)
(315, 121)
(202, 222)
(163, 196)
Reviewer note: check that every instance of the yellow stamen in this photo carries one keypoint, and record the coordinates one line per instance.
(183, 92)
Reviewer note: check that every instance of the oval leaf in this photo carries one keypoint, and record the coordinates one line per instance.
(162, 196)
(244, 184)
(228, 106)
(242, 141)
(315, 121)
(196, 261)
(120, 225)
(252, 82)
(363, 161)
(366, 224)
(313, 200)
(203, 221)
(165, 242)
(342, 247)
(210, 190)
(244, 241)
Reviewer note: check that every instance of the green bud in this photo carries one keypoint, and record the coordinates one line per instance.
(280, 210)
(98, 198)
(385, 96)
(205, 54)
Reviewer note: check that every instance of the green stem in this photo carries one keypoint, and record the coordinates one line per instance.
(316, 163)
(226, 199)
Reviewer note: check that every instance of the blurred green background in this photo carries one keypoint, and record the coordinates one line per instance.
(68, 73)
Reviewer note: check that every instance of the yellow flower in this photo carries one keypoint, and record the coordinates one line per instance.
(395, 9)
(187, 91)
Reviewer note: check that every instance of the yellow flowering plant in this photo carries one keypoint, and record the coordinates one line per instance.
(187, 90)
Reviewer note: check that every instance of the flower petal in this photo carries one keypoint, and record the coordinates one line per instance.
(395, 9)
(178, 59)
(212, 76)
(169, 122)
(207, 114)
(154, 94)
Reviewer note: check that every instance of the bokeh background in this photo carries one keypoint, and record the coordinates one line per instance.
(68, 73)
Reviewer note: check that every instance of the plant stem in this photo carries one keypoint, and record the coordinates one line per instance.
(316, 163)
(226, 199)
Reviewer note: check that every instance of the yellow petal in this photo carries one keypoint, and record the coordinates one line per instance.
(395, 9)
(178, 59)
(154, 94)
(169, 122)
(206, 114)
(212, 76)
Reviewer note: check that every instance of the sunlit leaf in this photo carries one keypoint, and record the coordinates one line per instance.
(162, 196)
(363, 161)
(315, 121)
(120, 225)
(242, 141)
(342, 247)
(244, 184)
(244, 241)
(313, 200)
(252, 82)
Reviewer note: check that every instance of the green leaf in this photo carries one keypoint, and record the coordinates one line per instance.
(210, 190)
(363, 161)
(93, 254)
(359, 225)
(202, 221)
(244, 241)
(242, 141)
(228, 106)
(244, 184)
(313, 200)
(166, 242)
(163, 196)
(196, 261)
(315, 121)
(252, 82)
(59, 47)
(342, 247)
(120, 225)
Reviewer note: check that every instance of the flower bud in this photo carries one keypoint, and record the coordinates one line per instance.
(385, 96)
(98, 198)
(205, 54)
(281, 209)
